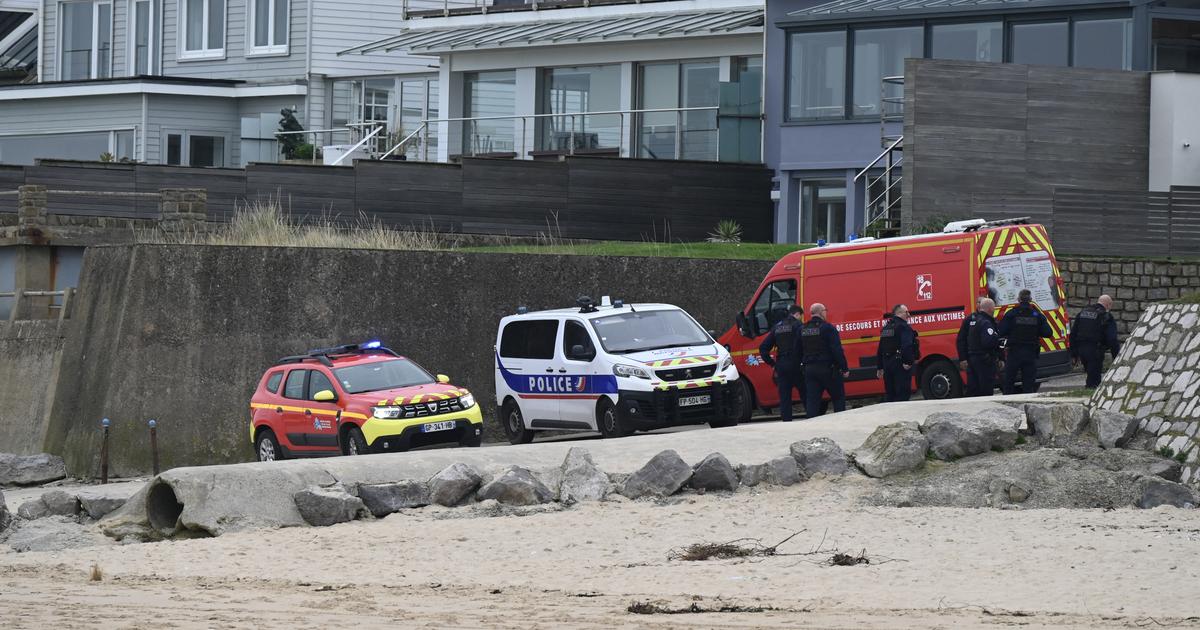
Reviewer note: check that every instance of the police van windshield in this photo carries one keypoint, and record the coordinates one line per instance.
(648, 330)
(370, 377)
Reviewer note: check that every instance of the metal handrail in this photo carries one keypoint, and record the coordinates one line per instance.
(410, 136)
(356, 147)
(19, 294)
(608, 113)
(881, 156)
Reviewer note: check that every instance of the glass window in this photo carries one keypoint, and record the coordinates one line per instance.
(317, 383)
(823, 211)
(381, 375)
(86, 45)
(879, 53)
(1106, 44)
(1041, 44)
(269, 22)
(1176, 45)
(489, 94)
(739, 118)
(817, 75)
(143, 34)
(123, 145)
(699, 87)
(968, 42)
(273, 382)
(575, 334)
(773, 300)
(174, 149)
(658, 88)
(581, 90)
(649, 330)
(203, 28)
(294, 388)
(206, 150)
(529, 339)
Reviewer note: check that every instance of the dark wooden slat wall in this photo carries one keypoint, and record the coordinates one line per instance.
(10, 178)
(579, 197)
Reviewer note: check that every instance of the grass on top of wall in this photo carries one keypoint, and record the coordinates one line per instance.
(1193, 298)
(264, 223)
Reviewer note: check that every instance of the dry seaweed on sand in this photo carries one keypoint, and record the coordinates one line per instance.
(660, 608)
(740, 548)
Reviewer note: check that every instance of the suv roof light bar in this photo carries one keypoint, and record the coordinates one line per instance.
(321, 355)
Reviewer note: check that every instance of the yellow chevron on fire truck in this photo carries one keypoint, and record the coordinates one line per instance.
(1017, 257)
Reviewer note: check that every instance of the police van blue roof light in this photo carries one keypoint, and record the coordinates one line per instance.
(371, 345)
(618, 303)
(521, 310)
(821, 242)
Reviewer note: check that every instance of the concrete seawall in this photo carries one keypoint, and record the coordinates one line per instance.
(31, 351)
(183, 333)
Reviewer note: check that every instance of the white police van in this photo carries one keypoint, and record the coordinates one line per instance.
(613, 368)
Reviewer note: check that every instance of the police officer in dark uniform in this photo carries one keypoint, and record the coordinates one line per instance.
(825, 366)
(1023, 327)
(896, 355)
(784, 337)
(1093, 331)
(979, 348)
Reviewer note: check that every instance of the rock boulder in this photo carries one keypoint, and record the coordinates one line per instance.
(820, 456)
(454, 484)
(33, 509)
(30, 470)
(714, 473)
(5, 517)
(1156, 492)
(1114, 429)
(662, 476)
(581, 480)
(384, 498)
(516, 486)
(955, 435)
(1057, 425)
(891, 449)
(322, 507)
(60, 503)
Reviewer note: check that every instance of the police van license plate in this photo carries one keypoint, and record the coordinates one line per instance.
(437, 426)
(692, 401)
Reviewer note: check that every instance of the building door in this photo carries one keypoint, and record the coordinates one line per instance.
(823, 211)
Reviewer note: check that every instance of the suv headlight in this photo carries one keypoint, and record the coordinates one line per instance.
(467, 401)
(726, 364)
(631, 371)
(387, 413)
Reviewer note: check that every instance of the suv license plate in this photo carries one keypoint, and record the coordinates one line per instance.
(437, 426)
(692, 401)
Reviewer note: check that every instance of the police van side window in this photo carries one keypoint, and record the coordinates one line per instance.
(273, 382)
(529, 339)
(294, 387)
(773, 300)
(574, 334)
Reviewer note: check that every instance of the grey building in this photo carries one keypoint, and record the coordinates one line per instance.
(830, 112)
(203, 82)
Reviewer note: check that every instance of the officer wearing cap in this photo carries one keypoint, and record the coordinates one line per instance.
(1092, 332)
(896, 355)
(824, 362)
(979, 349)
(1023, 328)
(784, 337)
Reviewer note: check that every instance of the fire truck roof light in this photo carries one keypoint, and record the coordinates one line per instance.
(371, 345)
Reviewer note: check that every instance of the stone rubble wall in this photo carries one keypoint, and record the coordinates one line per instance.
(1133, 285)
(1156, 378)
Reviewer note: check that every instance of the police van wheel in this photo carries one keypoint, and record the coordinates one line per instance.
(608, 421)
(355, 443)
(514, 424)
(267, 447)
(940, 380)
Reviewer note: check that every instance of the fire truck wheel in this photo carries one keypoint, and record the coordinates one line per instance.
(514, 423)
(608, 421)
(940, 380)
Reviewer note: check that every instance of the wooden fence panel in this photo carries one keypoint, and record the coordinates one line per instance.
(11, 178)
(310, 193)
(89, 176)
(410, 194)
(513, 197)
(1185, 221)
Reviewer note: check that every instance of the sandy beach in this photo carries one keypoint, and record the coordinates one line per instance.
(583, 567)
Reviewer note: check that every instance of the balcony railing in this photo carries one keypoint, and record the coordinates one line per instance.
(444, 8)
(689, 133)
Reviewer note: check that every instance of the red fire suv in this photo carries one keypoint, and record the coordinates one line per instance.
(357, 399)
(939, 277)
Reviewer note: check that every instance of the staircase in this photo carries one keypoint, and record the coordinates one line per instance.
(883, 187)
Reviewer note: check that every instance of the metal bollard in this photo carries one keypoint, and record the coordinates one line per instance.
(154, 443)
(104, 452)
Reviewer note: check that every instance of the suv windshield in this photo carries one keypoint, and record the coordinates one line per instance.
(370, 377)
(648, 330)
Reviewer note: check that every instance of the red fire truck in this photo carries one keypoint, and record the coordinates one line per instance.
(939, 277)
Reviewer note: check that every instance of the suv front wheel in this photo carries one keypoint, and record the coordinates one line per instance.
(353, 442)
